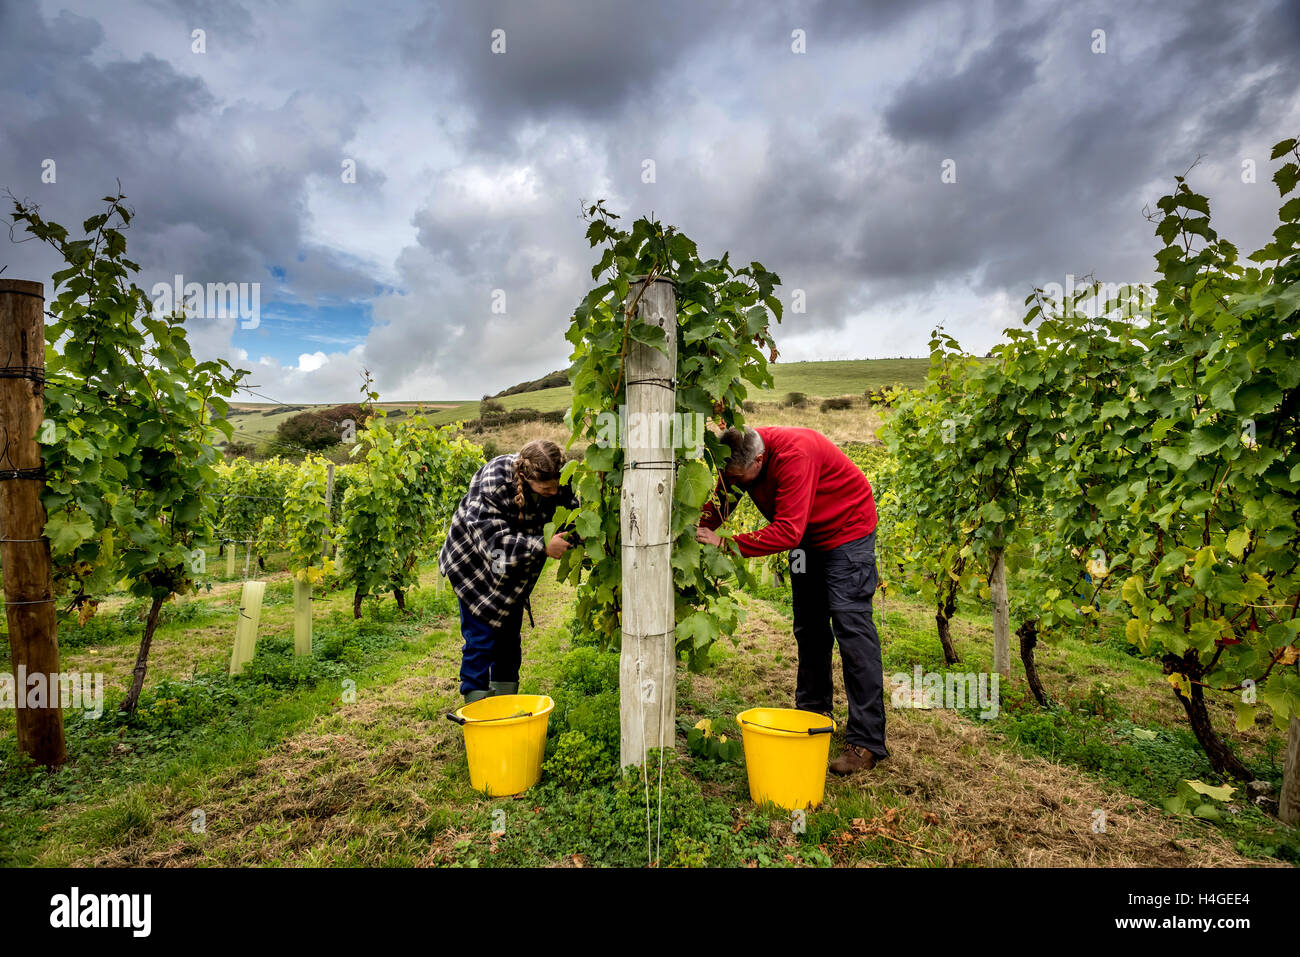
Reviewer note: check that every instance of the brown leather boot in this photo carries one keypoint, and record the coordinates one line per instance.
(853, 759)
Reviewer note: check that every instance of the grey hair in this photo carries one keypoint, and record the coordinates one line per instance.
(746, 445)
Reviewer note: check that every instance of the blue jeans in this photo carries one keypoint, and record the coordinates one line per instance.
(489, 654)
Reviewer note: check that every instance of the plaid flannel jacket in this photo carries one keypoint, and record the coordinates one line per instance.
(492, 558)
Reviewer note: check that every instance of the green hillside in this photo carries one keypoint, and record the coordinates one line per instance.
(256, 423)
(838, 377)
(846, 376)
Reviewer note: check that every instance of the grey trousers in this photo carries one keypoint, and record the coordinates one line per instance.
(832, 602)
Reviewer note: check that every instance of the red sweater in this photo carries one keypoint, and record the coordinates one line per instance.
(810, 492)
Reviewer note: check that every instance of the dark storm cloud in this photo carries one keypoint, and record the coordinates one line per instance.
(597, 61)
(220, 188)
(824, 165)
(223, 16)
(145, 95)
(1228, 44)
(937, 109)
(833, 17)
(1053, 145)
(568, 57)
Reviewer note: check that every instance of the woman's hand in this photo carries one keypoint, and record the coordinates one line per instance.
(707, 536)
(557, 546)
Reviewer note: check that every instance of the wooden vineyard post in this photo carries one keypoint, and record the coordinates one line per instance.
(24, 551)
(648, 661)
(301, 617)
(329, 506)
(1288, 803)
(1001, 615)
(250, 615)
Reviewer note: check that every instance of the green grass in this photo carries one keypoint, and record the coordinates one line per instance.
(846, 376)
(543, 400)
(189, 727)
(288, 772)
(258, 423)
(831, 378)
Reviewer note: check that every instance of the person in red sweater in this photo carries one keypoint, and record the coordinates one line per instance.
(819, 507)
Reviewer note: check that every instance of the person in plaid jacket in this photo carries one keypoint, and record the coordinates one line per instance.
(494, 555)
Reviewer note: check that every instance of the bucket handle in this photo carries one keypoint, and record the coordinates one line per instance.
(453, 716)
(826, 730)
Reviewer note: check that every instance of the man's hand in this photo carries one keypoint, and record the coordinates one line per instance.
(557, 546)
(707, 536)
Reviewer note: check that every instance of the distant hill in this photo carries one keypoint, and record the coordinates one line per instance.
(551, 380)
(846, 376)
(256, 422)
(820, 379)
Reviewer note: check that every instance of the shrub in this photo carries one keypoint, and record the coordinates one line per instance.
(237, 449)
(871, 457)
(576, 762)
(489, 406)
(885, 395)
(123, 624)
(584, 727)
(494, 419)
(589, 671)
(174, 705)
(608, 824)
(796, 399)
(837, 404)
(315, 431)
(715, 740)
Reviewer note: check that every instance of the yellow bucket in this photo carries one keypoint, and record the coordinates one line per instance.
(505, 739)
(785, 755)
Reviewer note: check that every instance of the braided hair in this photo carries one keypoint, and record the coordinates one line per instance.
(540, 460)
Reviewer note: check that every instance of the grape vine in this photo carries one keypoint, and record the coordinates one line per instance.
(128, 452)
(1144, 456)
(723, 317)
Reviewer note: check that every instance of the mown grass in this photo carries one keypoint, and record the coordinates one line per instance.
(284, 769)
(193, 718)
(1112, 715)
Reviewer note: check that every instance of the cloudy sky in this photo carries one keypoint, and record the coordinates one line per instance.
(811, 136)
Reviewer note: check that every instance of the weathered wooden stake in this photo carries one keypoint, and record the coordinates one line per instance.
(250, 614)
(1001, 615)
(329, 503)
(1288, 802)
(301, 617)
(648, 661)
(25, 552)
